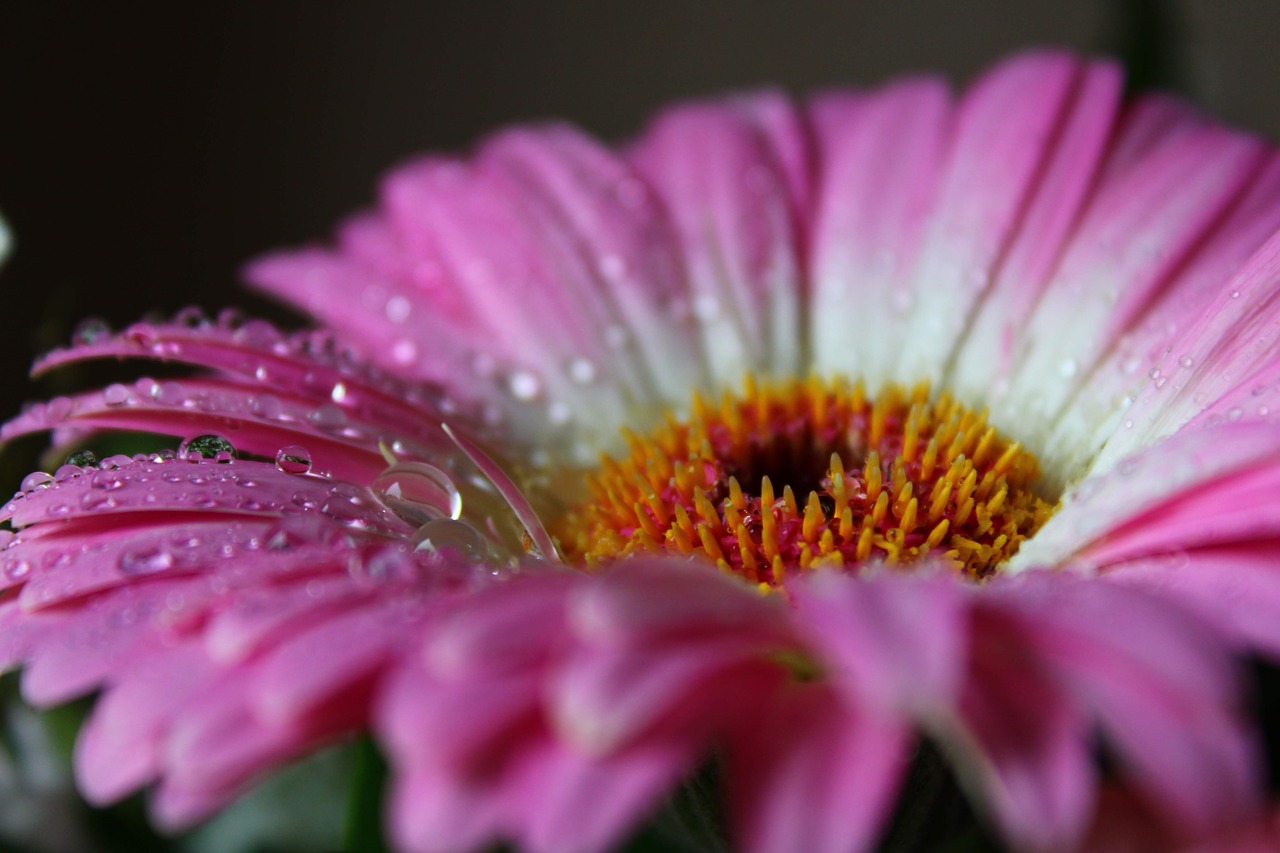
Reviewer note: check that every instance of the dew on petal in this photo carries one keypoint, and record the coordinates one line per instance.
(293, 459)
(446, 537)
(328, 417)
(524, 385)
(91, 331)
(419, 492)
(115, 395)
(82, 459)
(36, 480)
(207, 446)
(145, 561)
(17, 570)
(582, 371)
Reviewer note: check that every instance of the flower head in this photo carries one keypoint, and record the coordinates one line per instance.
(786, 435)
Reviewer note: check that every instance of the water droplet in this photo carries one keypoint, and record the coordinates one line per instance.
(1235, 413)
(398, 309)
(207, 446)
(169, 393)
(706, 307)
(558, 413)
(113, 462)
(524, 385)
(448, 538)
(404, 351)
(615, 336)
(91, 331)
(193, 317)
(293, 459)
(82, 459)
(115, 395)
(387, 565)
(1235, 294)
(16, 570)
(328, 417)
(339, 392)
(146, 560)
(267, 406)
(59, 409)
(66, 472)
(96, 500)
(1068, 368)
(582, 371)
(1153, 373)
(419, 492)
(1186, 361)
(36, 480)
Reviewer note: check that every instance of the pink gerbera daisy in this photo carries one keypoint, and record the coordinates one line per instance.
(921, 417)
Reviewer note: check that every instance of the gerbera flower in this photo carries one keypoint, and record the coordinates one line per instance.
(921, 417)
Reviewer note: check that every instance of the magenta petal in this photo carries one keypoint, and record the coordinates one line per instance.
(604, 698)
(315, 663)
(343, 447)
(879, 155)
(1235, 588)
(1026, 749)
(412, 708)
(727, 192)
(817, 776)
(1005, 127)
(646, 599)
(561, 801)
(1160, 683)
(74, 650)
(434, 812)
(256, 617)
(868, 632)
(119, 747)
(175, 808)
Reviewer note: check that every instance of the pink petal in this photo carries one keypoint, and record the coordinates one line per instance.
(119, 747)
(814, 775)
(1067, 176)
(1005, 127)
(604, 698)
(727, 192)
(1236, 589)
(644, 600)
(1025, 749)
(1179, 465)
(1160, 683)
(879, 155)
(869, 633)
(563, 802)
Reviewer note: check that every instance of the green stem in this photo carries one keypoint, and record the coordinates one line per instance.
(364, 806)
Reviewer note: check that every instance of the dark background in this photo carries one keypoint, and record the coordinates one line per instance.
(145, 153)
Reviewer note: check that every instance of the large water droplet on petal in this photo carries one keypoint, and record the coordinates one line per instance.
(16, 570)
(418, 492)
(293, 459)
(146, 560)
(448, 538)
(207, 447)
(36, 480)
(90, 331)
(82, 459)
(328, 417)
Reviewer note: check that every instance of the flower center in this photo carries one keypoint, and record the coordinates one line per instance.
(803, 473)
